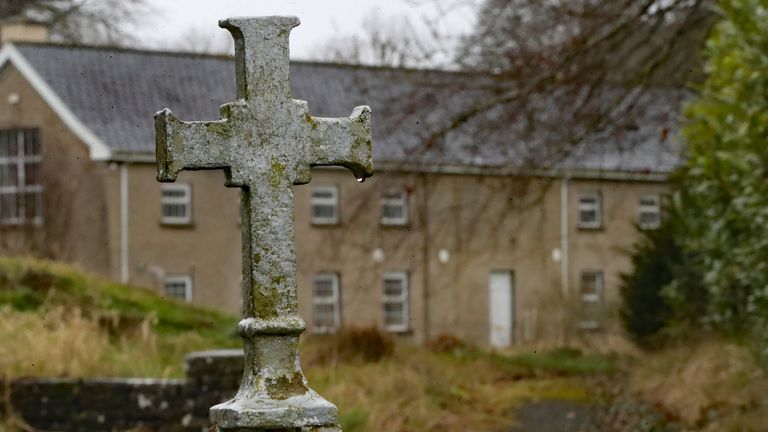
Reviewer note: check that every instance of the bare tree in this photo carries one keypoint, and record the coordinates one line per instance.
(393, 40)
(594, 60)
(79, 21)
(200, 41)
(555, 73)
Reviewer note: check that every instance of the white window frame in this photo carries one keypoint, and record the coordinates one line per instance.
(185, 200)
(403, 298)
(592, 298)
(596, 206)
(332, 201)
(654, 209)
(334, 299)
(401, 201)
(183, 279)
(20, 159)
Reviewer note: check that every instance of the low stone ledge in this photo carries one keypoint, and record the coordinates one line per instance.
(108, 404)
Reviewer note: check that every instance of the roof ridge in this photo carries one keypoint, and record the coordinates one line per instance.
(189, 54)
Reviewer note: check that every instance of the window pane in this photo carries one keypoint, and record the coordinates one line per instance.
(32, 173)
(591, 287)
(393, 287)
(8, 144)
(392, 212)
(322, 193)
(649, 218)
(8, 175)
(174, 193)
(323, 211)
(395, 194)
(175, 291)
(588, 200)
(394, 314)
(174, 210)
(589, 283)
(9, 208)
(324, 315)
(588, 216)
(324, 288)
(31, 143)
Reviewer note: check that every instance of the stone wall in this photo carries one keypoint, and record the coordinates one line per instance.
(125, 404)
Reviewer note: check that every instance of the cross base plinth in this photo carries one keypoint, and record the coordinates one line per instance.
(274, 394)
(308, 412)
(300, 429)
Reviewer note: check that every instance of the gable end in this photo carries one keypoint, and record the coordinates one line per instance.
(97, 149)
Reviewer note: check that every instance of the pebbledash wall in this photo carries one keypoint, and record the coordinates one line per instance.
(126, 403)
(461, 228)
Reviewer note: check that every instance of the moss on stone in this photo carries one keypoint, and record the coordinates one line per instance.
(220, 128)
(283, 387)
(312, 122)
(276, 173)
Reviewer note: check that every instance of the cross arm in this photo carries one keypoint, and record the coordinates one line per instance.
(344, 142)
(189, 145)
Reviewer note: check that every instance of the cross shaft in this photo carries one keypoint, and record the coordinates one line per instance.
(266, 142)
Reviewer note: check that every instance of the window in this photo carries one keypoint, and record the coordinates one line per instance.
(649, 212)
(176, 204)
(179, 287)
(590, 210)
(394, 207)
(325, 205)
(21, 190)
(326, 316)
(591, 290)
(396, 301)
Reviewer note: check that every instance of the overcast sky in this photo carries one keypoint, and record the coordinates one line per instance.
(174, 20)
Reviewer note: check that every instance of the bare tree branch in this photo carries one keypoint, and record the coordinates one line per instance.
(80, 21)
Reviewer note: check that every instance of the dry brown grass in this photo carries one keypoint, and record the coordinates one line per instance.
(58, 322)
(64, 343)
(391, 388)
(713, 383)
(417, 389)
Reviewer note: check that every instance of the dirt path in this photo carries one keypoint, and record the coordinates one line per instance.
(552, 416)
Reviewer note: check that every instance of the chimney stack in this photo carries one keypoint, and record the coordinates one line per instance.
(23, 30)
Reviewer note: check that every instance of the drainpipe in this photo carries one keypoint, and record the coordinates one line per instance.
(564, 253)
(425, 253)
(124, 223)
(564, 237)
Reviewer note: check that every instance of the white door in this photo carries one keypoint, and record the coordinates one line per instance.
(502, 306)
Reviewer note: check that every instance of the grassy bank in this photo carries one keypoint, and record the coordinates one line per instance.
(59, 322)
(711, 385)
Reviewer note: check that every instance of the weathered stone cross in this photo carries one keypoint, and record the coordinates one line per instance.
(266, 142)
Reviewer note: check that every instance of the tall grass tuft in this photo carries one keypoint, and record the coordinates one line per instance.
(63, 342)
(351, 344)
(712, 383)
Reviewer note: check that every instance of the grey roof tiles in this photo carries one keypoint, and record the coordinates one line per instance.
(115, 93)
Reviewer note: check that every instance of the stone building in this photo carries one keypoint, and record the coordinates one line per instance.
(440, 240)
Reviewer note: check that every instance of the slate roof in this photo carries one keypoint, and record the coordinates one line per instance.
(115, 93)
